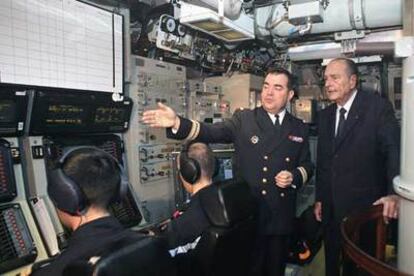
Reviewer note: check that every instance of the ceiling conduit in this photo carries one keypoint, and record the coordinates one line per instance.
(339, 15)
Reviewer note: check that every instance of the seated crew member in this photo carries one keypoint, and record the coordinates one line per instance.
(196, 166)
(82, 186)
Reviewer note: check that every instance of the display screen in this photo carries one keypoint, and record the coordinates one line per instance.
(225, 168)
(66, 114)
(7, 111)
(61, 111)
(108, 115)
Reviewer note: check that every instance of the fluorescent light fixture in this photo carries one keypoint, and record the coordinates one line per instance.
(300, 14)
(210, 22)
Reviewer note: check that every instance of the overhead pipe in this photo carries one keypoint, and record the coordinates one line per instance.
(375, 44)
(339, 15)
(374, 48)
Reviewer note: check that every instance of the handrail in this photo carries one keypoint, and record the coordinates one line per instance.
(349, 230)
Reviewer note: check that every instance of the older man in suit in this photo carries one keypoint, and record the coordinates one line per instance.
(272, 153)
(358, 155)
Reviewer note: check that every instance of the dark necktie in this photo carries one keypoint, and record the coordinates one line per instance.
(277, 125)
(341, 123)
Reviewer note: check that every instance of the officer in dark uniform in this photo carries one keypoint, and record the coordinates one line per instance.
(272, 154)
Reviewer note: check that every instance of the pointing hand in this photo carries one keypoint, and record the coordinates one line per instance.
(163, 116)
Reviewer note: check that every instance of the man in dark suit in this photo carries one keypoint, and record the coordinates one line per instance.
(358, 155)
(272, 154)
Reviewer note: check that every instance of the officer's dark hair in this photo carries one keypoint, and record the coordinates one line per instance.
(96, 173)
(205, 158)
(281, 71)
(351, 67)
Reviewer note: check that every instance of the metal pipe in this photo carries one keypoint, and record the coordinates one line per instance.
(404, 185)
(374, 48)
(306, 29)
(334, 50)
(315, 51)
(339, 15)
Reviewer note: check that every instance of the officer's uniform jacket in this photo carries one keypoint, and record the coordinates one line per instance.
(260, 155)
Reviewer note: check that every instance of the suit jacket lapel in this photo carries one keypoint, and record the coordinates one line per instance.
(353, 117)
(330, 127)
(331, 121)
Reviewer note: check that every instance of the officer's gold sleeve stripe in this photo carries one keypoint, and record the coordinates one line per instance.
(195, 130)
(304, 174)
(188, 138)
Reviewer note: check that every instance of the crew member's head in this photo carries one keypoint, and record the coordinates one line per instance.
(196, 166)
(84, 183)
(277, 90)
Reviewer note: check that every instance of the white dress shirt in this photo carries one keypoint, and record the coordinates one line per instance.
(281, 116)
(347, 107)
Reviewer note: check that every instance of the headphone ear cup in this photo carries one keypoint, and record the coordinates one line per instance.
(65, 193)
(189, 169)
(123, 185)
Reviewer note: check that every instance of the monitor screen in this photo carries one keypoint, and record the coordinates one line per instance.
(13, 111)
(224, 165)
(7, 111)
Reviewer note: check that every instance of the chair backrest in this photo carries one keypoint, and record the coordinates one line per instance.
(147, 257)
(225, 247)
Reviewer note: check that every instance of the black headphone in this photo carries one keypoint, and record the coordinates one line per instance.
(66, 193)
(190, 169)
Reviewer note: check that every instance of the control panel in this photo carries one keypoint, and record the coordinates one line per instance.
(7, 180)
(17, 247)
(147, 149)
(204, 102)
(20, 241)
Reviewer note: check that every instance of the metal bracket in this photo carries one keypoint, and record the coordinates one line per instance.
(354, 34)
(220, 8)
(324, 3)
(286, 4)
(348, 47)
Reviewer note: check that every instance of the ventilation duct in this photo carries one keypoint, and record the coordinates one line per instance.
(231, 8)
(216, 23)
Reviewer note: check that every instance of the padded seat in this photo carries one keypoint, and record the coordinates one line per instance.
(147, 257)
(225, 247)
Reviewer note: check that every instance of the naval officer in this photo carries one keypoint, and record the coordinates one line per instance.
(271, 154)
